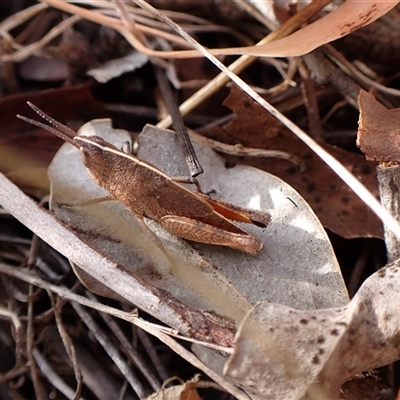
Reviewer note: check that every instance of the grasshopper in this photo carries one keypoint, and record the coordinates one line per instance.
(148, 192)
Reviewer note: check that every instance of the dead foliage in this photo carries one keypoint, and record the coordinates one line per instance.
(97, 303)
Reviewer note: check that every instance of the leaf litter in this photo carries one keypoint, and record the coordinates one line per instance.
(315, 364)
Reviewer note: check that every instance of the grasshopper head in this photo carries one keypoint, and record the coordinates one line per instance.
(96, 156)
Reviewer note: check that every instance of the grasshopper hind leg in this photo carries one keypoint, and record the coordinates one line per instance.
(198, 231)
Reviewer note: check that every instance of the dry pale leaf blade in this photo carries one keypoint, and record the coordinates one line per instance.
(378, 130)
(115, 68)
(284, 353)
(348, 17)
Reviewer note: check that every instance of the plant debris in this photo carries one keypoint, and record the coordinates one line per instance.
(90, 308)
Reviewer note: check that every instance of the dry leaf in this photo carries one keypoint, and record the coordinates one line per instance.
(114, 68)
(336, 205)
(348, 17)
(184, 391)
(284, 353)
(25, 151)
(378, 133)
(67, 104)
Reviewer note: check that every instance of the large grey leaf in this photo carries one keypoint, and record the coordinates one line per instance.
(283, 353)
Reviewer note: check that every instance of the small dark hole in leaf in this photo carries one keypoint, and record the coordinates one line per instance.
(229, 164)
(345, 200)
(315, 360)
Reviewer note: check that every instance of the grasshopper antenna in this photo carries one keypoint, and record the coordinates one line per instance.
(57, 129)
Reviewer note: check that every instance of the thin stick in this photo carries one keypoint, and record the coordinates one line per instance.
(178, 124)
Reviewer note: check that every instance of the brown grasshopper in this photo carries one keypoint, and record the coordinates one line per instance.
(148, 192)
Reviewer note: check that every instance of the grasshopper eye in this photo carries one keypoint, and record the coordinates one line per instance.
(85, 156)
(127, 147)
